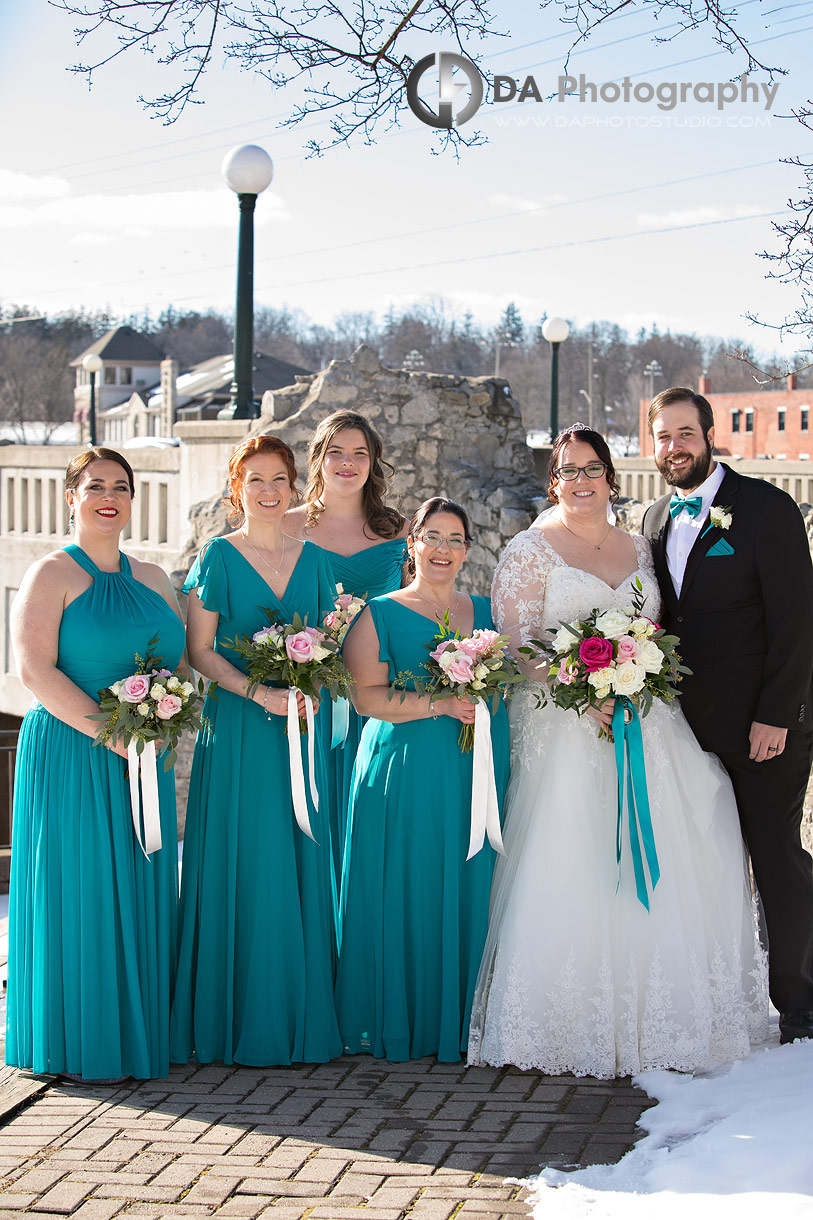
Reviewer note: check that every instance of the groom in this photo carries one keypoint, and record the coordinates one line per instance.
(733, 564)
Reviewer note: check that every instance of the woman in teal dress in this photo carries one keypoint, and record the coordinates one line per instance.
(415, 910)
(343, 512)
(92, 922)
(257, 950)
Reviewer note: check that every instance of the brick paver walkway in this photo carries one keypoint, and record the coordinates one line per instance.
(358, 1139)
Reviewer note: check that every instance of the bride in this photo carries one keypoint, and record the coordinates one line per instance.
(577, 976)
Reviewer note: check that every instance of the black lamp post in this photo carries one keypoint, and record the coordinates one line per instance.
(248, 170)
(92, 364)
(555, 330)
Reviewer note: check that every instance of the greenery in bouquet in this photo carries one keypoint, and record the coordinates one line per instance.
(475, 667)
(152, 704)
(296, 656)
(616, 652)
(339, 621)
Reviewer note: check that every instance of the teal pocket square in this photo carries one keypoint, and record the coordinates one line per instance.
(721, 547)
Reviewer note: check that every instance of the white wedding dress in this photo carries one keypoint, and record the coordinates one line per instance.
(577, 976)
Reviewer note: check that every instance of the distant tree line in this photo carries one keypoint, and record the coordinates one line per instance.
(603, 370)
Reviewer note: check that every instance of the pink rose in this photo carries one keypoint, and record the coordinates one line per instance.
(314, 633)
(486, 638)
(567, 673)
(135, 688)
(166, 708)
(162, 673)
(596, 652)
(461, 671)
(330, 619)
(299, 647)
(628, 648)
(262, 636)
(470, 647)
(441, 648)
(344, 600)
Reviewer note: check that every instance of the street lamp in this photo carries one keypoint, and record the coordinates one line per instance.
(248, 170)
(92, 364)
(652, 370)
(555, 330)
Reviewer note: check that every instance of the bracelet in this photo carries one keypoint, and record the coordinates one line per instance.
(265, 703)
(432, 711)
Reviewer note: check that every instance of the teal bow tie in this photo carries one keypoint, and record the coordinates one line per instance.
(692, 504)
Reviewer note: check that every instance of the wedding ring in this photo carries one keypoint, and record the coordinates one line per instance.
(771, 749)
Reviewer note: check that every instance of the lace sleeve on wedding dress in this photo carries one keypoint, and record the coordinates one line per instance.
(518, 591)
(646, 564)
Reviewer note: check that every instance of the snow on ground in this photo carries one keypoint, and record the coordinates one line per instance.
(736, 1144)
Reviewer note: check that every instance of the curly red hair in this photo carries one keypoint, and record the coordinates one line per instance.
(241, 454)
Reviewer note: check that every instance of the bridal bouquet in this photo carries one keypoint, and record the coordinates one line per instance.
(475, 667)
(151, 705)
(294, 655)
(613, 653)
(338, 621)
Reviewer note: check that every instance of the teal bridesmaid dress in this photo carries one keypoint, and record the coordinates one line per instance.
(257, 946)
(415, 910)
(368, 573)
(92, 922)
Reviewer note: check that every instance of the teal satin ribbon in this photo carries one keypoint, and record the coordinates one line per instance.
(629, 760)
(340, 723)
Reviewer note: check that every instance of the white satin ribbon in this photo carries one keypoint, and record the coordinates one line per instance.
(295, 756)
(485, 810)
(145, 765)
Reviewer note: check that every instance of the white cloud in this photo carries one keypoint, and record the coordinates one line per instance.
(169, 210)
(694, 216)
(92, 239)
(26, 188)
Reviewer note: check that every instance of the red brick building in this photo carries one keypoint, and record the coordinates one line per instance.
(754, 423)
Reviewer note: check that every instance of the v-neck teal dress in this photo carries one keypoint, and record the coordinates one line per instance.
(92, 922)
(368, 574)
(415, 910)
(257, 950)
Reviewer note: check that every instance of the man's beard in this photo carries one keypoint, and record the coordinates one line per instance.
(690, 476)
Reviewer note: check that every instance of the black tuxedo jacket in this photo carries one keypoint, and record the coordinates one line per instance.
(745, 620)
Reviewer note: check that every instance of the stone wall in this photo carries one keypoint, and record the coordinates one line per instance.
(454, 436)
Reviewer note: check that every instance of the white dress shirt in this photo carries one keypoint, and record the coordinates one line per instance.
(684, 530)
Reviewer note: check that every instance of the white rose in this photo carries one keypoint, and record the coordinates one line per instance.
(448, 656)
(143, 709)
(319, 652)
(116, 687)
(157, 691)
(650, 658)
(477, 685)
(173, 684)
(481, 671)
(612, 624)
(340, 587)
(186, 689)
(641, 628)
(354, 608)
(628, 678)
(564, 640)
(601, 679)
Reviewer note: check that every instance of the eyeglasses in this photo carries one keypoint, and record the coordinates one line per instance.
(593, 470)
(432, 539)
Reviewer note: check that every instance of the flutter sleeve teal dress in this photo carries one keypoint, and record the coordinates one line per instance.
(368, 573)
(415, 910)
(257, 949)
(92, 922)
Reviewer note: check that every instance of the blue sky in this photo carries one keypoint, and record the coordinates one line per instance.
(594, 211)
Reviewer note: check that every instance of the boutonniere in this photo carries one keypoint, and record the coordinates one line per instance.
(720, 516)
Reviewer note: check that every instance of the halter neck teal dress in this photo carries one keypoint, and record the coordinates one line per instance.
(257, 951)
(368, 573)
(415, 910)
(92, 922)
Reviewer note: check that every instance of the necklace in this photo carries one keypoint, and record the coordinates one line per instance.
(438, 612)
(262, 558)
(584, 540)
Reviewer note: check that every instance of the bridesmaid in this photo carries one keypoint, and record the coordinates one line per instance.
(92, 923)
(415, 910)
(257, 952)
(343, 512)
